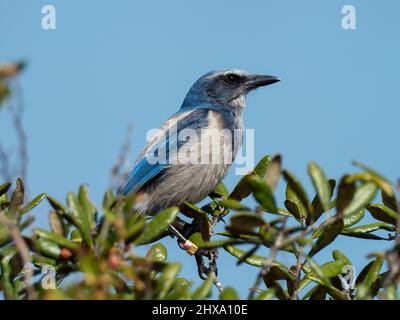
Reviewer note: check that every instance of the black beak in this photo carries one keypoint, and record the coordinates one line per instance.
(256, 81)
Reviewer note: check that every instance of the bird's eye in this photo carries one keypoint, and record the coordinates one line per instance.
(232, 78)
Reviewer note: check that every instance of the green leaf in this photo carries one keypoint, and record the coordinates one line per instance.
(321, 274)
(363, 273)
(337, 255)
(329, 234)
(253, 260)
(297, 191)
(346, 190)
(322, 278)
(276, 287)
(135, 225)
(362, 235)
(383, 213)
(204, 290)
(4, 188)
(245, 222)
(317, 208)
(262, 165)
(56, 223)
(284, 212)
(180, 290)
(81, 216)
(47, 248)
(108, 199)
(33, 203)
(17, 197)
(353, 218)
(363, 195)
(192, 211)
(375, 177)
(266, 295)
(233, 204)
(280, 272)
(195, 238)
(88, 209)
(316, 293)
(295, 208)
(41, 261)
(157, 225)
(60, 240)
(228, 294)
(364, 288)
(273, 172)
(365, 230)
(242, 189)
(221, 191)
(56, 205)
(262, 193)
(76, 236)
(166, 279)
(390, 201)
(321, 184)
(157, 252)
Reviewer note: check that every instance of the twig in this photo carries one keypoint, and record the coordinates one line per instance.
(267, 263)
(23, 252)
(5, 165)
(118, 172)
(219, 285)
(16, 110)
(392, 256)
(299, 266)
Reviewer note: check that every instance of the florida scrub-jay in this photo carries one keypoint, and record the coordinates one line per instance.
(215, 101)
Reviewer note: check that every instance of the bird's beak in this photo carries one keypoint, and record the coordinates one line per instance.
(256, 81)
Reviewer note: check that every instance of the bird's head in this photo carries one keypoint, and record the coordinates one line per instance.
(227, 88)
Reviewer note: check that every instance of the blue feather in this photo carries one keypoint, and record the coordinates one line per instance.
(143, 171)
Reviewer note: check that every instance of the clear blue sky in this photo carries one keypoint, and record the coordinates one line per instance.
(111, 62)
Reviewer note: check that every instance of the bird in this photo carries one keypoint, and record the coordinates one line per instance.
(181, 162)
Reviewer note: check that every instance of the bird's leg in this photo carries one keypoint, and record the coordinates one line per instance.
(182, 231)
(183, 243)
(201, 267)
(212, 256)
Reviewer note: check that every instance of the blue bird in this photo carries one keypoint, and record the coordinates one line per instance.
(214, 103)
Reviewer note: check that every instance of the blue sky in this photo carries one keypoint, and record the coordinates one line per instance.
(112, 62)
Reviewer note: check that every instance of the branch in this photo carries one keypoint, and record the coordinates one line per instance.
(23, 252)
(118, 172)
(267, 263)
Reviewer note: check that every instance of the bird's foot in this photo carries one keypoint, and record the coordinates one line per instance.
(212, 256)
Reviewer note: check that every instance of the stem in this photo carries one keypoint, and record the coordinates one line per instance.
(267, 263)
(23, 252)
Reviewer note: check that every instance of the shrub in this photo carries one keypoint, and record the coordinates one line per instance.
(96, 245)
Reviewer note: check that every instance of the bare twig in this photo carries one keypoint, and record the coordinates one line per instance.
(267, 263)
(392, 255)
(299, 266)
(16, 109)
(17, 113)
(23, 252)
(5, 171)
(119, 171)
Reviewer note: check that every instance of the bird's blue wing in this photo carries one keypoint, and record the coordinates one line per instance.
(144, 171)
(140, 175)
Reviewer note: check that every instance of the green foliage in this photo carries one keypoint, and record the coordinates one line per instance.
(100, 246)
